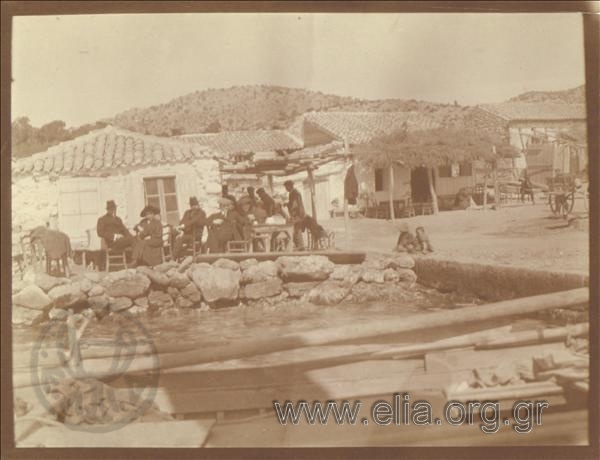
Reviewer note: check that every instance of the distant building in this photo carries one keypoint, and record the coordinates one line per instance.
(550, 136)
(73, 180)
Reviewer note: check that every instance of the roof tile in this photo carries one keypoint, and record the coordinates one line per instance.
(513, 111)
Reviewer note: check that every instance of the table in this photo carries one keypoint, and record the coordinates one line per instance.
(266, 232)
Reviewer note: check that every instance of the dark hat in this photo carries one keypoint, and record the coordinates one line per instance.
(110, 204)
(149, 210)
(194, 201)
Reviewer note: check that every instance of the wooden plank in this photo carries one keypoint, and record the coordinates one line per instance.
(337, 257)
(190, 433)
(321, 387)
(471, 359)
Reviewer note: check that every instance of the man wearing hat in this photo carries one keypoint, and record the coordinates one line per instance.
(148, 247)
(225, 193)
(111, 229)
(192, 226)
(225, 225)
(297, 214)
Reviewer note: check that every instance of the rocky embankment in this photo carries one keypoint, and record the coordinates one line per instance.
(315, 279)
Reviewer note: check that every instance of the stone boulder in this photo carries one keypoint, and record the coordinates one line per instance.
(226, 263)
(262, 289)
(297, 290)
(305, 268)
(67, 296)
(191, 293)
(370, 275)
(406, 275)
(159, 300)
(166, 266)
(141, 302)
(94, 277)
(185, 264)
(179, 280)
(391, 275)
(330, 292)
(261, 271)
(215, 283)
(33, 298)
(158, 278)
(120, 303)
(173, 292)
(47, 282)
(99, 304)
(349, 274)
(85, 284)
(128, 284)
(247, 263)
(96, 290)
(22, 316)
(138, 310)
(400, 261)
(182, 302)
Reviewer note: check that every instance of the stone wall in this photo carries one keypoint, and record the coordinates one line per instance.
(315, 279)
(34, 200)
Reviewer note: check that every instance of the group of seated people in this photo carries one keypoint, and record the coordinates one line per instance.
(418, 243)
(145, 245)
(233, 222)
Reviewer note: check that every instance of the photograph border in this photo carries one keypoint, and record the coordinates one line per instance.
(591, 21)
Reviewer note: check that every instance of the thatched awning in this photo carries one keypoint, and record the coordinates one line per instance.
(434, 147)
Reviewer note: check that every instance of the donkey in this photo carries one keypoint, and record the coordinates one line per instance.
(57, 247)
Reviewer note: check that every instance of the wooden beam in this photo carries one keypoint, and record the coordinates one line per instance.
(432, 191)
(270, 179)
(311, 187)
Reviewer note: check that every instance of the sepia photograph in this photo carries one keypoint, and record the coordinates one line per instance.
(299, 229)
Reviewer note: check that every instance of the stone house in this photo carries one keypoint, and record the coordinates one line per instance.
(549, 136)
(68, 185)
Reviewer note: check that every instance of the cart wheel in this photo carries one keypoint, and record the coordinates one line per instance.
(554, 204)
(568, 204)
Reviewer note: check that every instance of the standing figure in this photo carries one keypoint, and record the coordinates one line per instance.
(148, 247)
(267, 201)
(225, 193)
(526, 187)
(297, 213)
(252, 196)
(192, 226)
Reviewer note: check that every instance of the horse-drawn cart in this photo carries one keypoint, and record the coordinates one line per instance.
(563, 189)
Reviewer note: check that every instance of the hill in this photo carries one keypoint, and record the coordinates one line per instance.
(567, 96)
(245, 107)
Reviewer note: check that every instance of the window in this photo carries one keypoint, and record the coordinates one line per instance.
(466, 169)
(378, 180)
(445, 171)
(160, 192)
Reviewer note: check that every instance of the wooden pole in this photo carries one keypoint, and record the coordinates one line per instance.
(391, 190)
(270, 179)
(311, 186)
(432, 192)
(243, 348)
(485, 179)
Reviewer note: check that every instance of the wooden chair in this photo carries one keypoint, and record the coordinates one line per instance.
(383, 210)
(409, 209)
(113, 259)
(195, 247)
(239, 246)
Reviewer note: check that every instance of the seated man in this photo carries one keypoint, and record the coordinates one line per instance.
(224, 226)
(267, 201)
(111, 229)
(192, 226)
(148, 246)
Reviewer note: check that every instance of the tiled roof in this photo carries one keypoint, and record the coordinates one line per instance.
(358, 127)
(106, 149)
(536, 111)
(235, 142)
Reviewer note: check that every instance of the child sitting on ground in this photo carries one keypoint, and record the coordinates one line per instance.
(423, 243)
(406, 240)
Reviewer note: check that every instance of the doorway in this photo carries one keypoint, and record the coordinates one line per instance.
(419, 185)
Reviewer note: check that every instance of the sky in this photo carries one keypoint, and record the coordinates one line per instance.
(83, 68)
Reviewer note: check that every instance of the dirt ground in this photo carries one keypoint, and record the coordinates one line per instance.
(520, 235)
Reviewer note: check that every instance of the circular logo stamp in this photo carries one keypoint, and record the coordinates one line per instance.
(102, 387)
